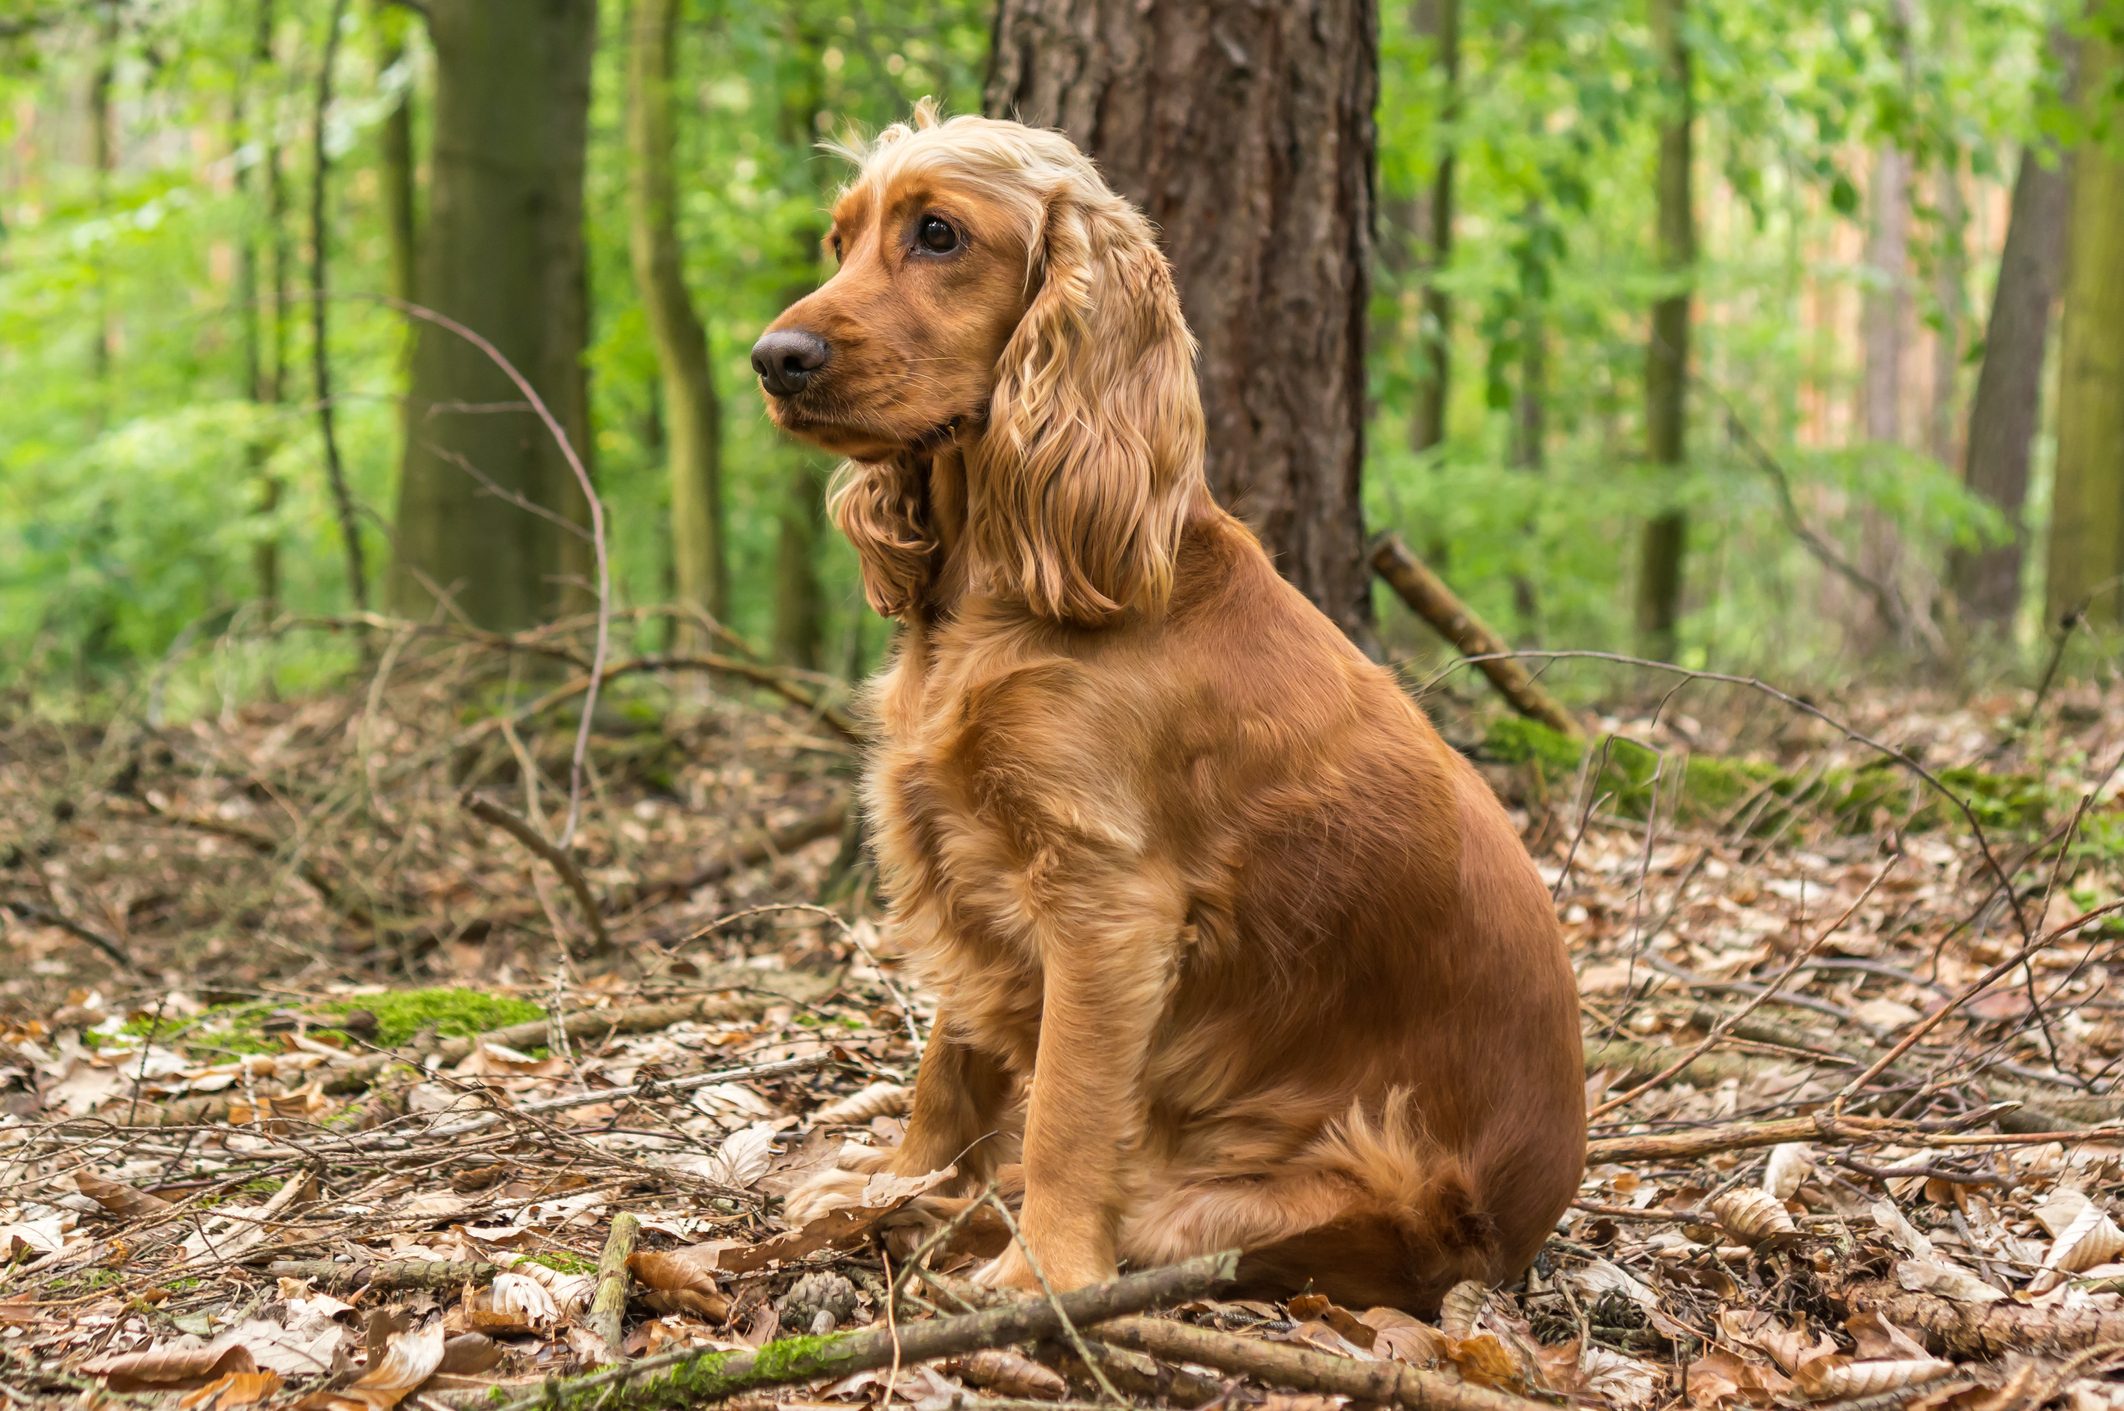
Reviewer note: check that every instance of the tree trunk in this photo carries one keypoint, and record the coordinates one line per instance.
(2087, 518)
(103, 142)
(1439, 22)
(401, 220)
(502, 255)
(1659, 586)
(1245, 131)
(799, 600)
(261, 357)
(1530, 430)
(693, 414)
(320, 316)
(2009, 393)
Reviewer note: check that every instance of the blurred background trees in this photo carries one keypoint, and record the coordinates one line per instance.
(1770, 336)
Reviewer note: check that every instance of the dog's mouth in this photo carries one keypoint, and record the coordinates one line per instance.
(860, 440)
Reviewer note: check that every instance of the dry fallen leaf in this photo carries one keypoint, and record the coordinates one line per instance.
(1838, 1378)
(1754, 1217)
(229, 1392)
(1947, 1280)
(1009, 1374)
(170, 1368)
(128, 1202)
(1789, 1166)
(407, 1358)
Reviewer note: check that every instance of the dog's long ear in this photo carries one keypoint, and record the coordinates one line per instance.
(1093, 450)
(882, 509)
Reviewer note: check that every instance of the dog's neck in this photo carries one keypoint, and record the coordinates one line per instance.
(944, 504)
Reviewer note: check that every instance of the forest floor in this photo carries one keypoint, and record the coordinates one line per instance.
(320, 1084)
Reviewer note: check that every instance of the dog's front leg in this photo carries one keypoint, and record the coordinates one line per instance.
(1104, 987)
(959, 1098)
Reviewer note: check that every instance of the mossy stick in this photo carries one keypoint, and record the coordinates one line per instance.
(693, 1377)
(608, 1306)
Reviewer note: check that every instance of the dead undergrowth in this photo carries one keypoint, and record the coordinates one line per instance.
(330, 1076)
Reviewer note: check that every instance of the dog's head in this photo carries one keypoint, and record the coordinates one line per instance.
(996, 298)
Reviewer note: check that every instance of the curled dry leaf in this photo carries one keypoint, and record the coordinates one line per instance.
(1617, 1379)
(1836, 1378)
(1791, 1349)
(1402, 1338)
(1460, 1307)
(1753, 1217)
(1892, 1224)
(571, 1292)
(127, 1202)
(877, 1100)
(407, 1358)
(1008, 1373)
(682, 1280)
(1789, 1166)
(513, 1303)
(1949, 1281)
(743, 1157)
(232, 1391)
(170, 1368)
(2092, 1238)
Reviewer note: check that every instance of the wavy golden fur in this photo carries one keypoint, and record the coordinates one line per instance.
(1231, 948)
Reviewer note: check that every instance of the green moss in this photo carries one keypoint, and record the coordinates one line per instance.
(1714, 787)
(452, 1013)
(564, 1261)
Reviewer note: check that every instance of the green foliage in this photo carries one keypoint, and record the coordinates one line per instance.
(130, 484)
(450, 1013)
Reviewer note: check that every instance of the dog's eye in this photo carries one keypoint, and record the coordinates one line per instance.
(835, 240)
(936, 235)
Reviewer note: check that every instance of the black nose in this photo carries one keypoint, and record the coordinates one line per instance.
(785, 359)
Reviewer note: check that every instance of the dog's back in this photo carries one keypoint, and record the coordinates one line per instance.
(1376, 998)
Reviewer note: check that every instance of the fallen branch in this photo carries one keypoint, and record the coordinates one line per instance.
(1984, 1329)
(554, 856)
(1286, 1365)
(30, 911)
(1430, 599)
(608, 1306)
(340, 1276)
(694, 1377)
(799, 986)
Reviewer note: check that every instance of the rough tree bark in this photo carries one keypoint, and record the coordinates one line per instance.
(1439, 22)
(503, 255)
(2009, 393)
(320, 315)
(693, 415)
(1245, 131)
(1659, 583)
(2087, 517)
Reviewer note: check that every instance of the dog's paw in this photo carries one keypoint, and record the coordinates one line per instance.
(1008, 1270)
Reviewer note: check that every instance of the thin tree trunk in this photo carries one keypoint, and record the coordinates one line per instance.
(799, 598)
(2087, 517)
(1245, 131)
(1530, 435)
(401, 218)
(501, 253)
(320, 316)
(2007, 407)
(693, 416)
(1438, 21)
(266, 327)
(1659, 586)
(103, 155)
(259, 381)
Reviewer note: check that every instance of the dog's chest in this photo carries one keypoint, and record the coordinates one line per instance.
(951, 872)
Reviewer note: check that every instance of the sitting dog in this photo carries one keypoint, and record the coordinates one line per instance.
(1232, 950)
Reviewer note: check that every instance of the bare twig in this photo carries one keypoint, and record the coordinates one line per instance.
(555, 856)
(608, 1306)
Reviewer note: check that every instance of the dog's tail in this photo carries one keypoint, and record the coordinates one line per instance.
(1414, 1225)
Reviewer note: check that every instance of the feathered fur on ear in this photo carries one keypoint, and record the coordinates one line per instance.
(883, 510)
(1093, 450)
